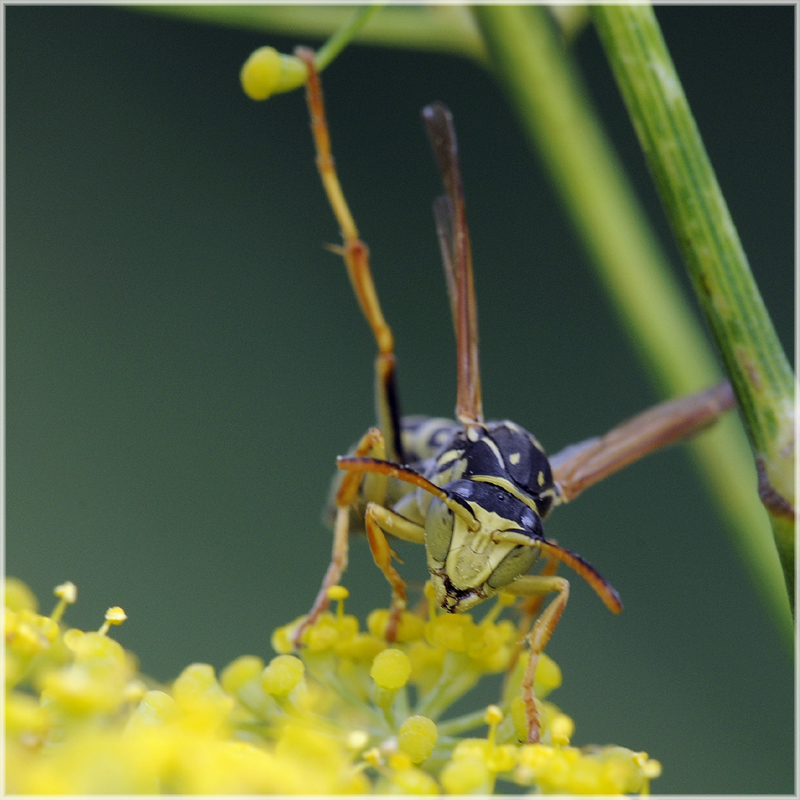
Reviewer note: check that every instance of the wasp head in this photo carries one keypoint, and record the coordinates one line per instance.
(470, 562)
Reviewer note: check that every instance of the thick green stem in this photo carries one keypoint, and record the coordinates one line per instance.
(760, 373)
(436, 28)
(555, 113)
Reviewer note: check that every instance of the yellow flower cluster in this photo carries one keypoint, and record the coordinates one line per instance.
(350, 715)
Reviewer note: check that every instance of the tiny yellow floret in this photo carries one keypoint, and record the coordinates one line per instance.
(391, 669)
(357, 740)
(338, 593)
(281, 675)
(282, 638)
(239, 672)
(200, 699)
(466, 777)
(548, 676)
(94, 646)
(373, 757)
(494, 715)
(413, 781)
(561, 729)
(260, 73)
(503, 758)
(18, 596)
(153, 710)
(399, 761)
(267, 71)
(651, 768)
(67, 591)
(67, 594)
(26, 719)
(114, 616)
(417, 737)
(452, 632)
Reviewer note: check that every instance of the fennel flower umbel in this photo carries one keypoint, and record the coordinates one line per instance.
(349, 714)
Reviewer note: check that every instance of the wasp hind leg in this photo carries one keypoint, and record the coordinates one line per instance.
(356, 258)
(372, 445)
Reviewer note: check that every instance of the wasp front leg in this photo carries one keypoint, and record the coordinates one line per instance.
(379, 519)
(539, 636)
(529, 610)
(372, 445)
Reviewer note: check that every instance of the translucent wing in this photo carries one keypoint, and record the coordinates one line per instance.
(443, 215)
(451, 224)
(579, 466)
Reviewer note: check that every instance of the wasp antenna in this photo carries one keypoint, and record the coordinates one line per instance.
(392, 470)
(604, 590)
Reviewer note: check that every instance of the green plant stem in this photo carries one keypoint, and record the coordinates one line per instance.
(344, 35)
(760, 373)
(554, 112)
(448, 29)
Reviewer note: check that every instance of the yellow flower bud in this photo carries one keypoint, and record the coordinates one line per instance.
(466, 777)
(391, 669)
(239, 672)
(19, 596)
(267, 71)
(417, 737)
(281, 675)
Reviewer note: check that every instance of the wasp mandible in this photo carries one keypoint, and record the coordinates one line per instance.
(473, 492)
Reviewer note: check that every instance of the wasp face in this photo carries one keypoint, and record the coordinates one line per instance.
(501, 474)
(470, 563)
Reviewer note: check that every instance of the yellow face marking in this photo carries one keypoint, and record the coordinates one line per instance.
(541, 478)
(514, 459)
(507, 486)
(474, 555)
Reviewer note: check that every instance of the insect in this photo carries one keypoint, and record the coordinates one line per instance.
(475, 493)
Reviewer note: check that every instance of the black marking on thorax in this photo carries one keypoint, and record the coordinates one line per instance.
(506, 451)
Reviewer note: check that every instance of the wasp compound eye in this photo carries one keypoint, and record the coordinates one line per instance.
(518, 562)
(438, 530)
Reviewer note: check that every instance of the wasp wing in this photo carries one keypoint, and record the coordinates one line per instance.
(443, 215)
(579, 466)
(451, 223)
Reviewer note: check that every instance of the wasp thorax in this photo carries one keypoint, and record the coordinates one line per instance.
(469, 563)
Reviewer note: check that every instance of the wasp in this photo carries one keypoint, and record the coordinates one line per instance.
(474, 493)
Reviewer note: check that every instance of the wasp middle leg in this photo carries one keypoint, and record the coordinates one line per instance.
(372, 445)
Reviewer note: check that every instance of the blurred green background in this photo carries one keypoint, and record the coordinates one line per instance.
(184, 360)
